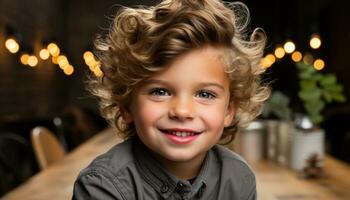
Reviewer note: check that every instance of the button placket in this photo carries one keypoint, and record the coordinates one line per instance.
(180, 189)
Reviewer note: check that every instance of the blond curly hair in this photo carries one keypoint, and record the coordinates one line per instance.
(143, 40)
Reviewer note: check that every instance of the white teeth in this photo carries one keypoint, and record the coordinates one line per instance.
(182, 134)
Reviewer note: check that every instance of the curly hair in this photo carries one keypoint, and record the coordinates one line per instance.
(143, 40)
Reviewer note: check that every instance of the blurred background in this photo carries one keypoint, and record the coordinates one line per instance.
(44, 61)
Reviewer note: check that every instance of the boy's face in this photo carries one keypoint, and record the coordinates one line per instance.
(180, 113)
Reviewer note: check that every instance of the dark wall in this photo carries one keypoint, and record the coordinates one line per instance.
(45, 90)
(25, 91)
(297, 20)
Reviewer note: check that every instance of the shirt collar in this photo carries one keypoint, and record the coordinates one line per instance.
(163, 181)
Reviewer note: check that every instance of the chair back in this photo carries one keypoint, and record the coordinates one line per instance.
(46, 146)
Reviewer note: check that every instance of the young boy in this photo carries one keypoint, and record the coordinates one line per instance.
(178, 78)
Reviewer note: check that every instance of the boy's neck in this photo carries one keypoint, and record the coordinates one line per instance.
(183, 170)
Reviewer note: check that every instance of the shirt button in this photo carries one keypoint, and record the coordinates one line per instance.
(164, 188)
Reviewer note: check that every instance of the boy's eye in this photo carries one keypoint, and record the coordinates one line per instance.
(206, 95)
(160, 92)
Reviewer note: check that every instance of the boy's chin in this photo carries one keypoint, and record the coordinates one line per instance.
(182, 157)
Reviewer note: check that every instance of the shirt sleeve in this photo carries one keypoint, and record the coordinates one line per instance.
(251, 188)
(252, 194)
(95, 186)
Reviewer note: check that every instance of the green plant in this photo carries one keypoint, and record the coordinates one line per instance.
(278, 105)
(317, 89)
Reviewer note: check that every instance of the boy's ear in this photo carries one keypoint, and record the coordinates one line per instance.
(230, 113)
(126, 115)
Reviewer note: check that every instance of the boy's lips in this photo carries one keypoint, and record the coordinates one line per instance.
(180, 132)
(181, 136)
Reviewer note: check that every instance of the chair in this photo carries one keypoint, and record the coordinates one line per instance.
(46, 146)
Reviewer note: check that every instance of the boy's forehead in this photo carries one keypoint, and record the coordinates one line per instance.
(208, 51)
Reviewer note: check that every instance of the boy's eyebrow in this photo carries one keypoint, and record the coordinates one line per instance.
(152, 81)
(207, 84)
(202, 84)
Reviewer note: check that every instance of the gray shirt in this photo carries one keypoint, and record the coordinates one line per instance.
(129, 172)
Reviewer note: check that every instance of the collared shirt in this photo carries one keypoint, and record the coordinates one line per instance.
(128, 171)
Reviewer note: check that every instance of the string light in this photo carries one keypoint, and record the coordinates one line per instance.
(53, 49)
(24, 59)
(69, 70)
(44, 54)
(12, 45)
(319, 64)
(54, 60)
(297, 56)
(98, 72)
(32, 61)
(279, 52)
(315, 41)
(89, 58)
(87, 55)
(289, 47)
(268, 60)
(92, 63)
(62, 61)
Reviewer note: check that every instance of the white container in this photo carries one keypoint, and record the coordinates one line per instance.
(252, 142)
(271, 139)
(283, 146)
(304, 145)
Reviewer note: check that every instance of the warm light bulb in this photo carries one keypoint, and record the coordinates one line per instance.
(89, 61)
(264, 63)
(12, 45)
(289, 47)
(315, 41)
(308, 59)
(53, 49)
(319, 64)
(279, 52)
(87, 54)
(98, 72)
(69, 70)
(44, 54)
(92, 67)
(297, 56)
(32, 61)
(54, 59)
(62, 61)
(24, 59)
(268, 60)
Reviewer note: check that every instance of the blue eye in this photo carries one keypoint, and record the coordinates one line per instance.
(160, 92)
(206, 95)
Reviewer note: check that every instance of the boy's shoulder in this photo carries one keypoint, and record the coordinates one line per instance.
(109, 175)
(233, 162)
(114, 160)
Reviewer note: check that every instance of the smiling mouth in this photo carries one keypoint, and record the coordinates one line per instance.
(180, 133)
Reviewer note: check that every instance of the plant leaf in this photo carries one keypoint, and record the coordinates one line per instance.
(328, 79)
(339, 98)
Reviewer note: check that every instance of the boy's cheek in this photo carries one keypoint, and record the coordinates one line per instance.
(149, 111)
(214, 117)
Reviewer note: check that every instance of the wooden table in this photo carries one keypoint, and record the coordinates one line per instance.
(274, 182)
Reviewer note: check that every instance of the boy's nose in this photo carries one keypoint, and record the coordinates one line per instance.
(181, 109)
